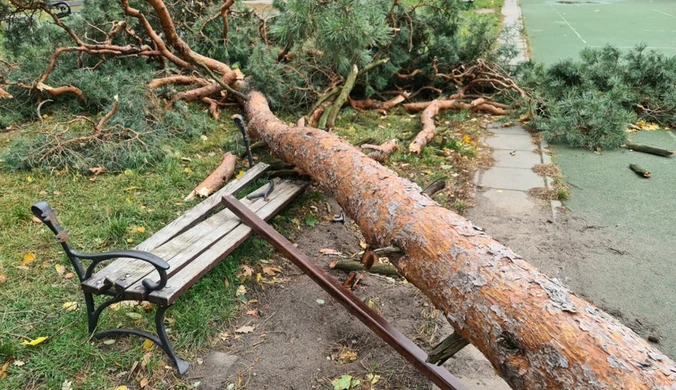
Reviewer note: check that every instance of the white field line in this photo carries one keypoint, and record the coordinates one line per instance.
(571, 27)
(664, 13)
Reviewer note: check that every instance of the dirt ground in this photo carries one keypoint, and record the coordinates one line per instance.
(301, 334)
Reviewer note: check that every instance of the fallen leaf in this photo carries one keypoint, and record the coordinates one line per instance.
(363, 245)
(320, 301)
(70, 306)
(123, 387)
(28, 258)
(245, 329)
(346, 356)
(333, 264)
(137, 229)
(148, 345)
(3, 278)
(69, 275)
(187, 170)
(252, 312)
(143, 383)
(109, 342)
(29, 179)
(66, 385)
(98, 170)
(35, 342)
(130, 240)
(345, 382)
(241, 290)
(246, 270)
(327, 251)
(369, 259)
(348, 281)
(61, 270)
(134, 316)
(373, 378)
(18, 363)
(271, 270)
(3, 369)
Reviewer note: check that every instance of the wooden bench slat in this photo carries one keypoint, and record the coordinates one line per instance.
(194, 271)
(95, 284)
(185, 247)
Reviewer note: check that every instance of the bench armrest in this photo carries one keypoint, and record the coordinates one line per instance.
(47, 215)
(160, 265)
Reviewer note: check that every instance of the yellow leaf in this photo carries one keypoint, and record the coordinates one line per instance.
(29, 179)
(271, 270)
(138, 229)
(61, 270)
(122, 388)
(347, 356)
(363, 245)
(240, 173)
(187, 170)
(35, 342)
(148, 345)
(70, 306)
(28, 258)
(259, 277)
(130, 240)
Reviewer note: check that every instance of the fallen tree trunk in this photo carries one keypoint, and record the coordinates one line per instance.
(533, 330)
(428, 128)
(224, 172)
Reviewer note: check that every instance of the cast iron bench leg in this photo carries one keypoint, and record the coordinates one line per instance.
(93, 314)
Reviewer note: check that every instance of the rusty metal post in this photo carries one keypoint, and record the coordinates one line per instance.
(411, 352)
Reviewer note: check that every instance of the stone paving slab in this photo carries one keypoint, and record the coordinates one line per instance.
(519, 159)
(508, 130)
(512, 202)
(511, 179)
(511, 142)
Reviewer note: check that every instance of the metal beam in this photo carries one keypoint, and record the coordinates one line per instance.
(411, 352)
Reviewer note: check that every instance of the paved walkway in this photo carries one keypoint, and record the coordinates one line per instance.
(507, 182)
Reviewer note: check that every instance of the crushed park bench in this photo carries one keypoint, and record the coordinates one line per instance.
(166, 265)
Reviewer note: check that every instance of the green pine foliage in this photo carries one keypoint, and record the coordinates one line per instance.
(323, 41)
(590, 102)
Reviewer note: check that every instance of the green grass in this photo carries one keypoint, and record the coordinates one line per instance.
(100, 213)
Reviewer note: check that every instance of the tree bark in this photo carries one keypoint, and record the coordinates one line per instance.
(535, 332)
(342, 98)
(650, 150)
(453, 104)
(382, 152)
(428, 128)
(224, 172)
(370, 104)
(351, 265)
(639, 171)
